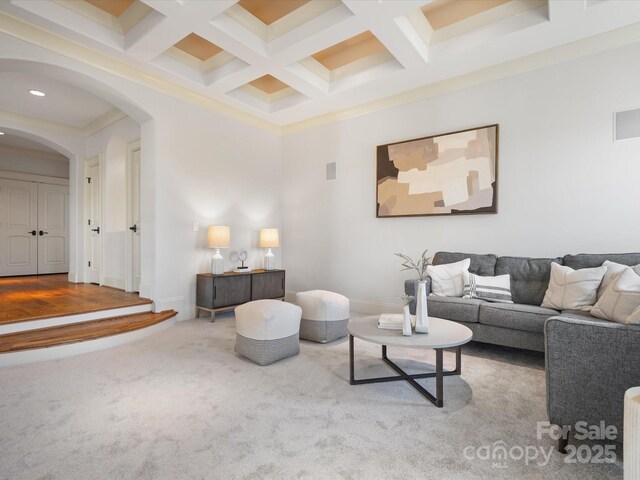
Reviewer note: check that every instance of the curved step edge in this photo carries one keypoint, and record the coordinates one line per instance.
(80, 348)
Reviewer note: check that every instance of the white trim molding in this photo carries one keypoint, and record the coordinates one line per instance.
(29, 177)
(173, 303)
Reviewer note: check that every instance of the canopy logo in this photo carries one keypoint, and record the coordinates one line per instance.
(500, 454)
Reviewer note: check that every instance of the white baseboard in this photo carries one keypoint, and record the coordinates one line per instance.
(366, 307)
(173, 303)
(112, 281)
(74, 277)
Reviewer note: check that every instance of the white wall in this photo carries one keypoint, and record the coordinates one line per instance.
(564, 186)
(33, 162)
(212, 171)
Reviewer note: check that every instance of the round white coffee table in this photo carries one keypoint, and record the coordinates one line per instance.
(442, 334)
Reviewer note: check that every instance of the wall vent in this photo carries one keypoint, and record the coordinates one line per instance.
(331, 171)
(626, 124)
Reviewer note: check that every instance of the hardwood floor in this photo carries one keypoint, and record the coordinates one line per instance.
(45, 296)
(78, 332)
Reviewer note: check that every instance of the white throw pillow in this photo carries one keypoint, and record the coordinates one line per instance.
(621, 302)
(613, 271)
(492, 289)
(571, 289)
(447, 279)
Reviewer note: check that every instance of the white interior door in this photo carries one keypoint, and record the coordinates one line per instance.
(135, 216)
(53, 228)
(18, 225)
(93, 223)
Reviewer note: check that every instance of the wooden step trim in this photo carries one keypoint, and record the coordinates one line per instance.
(79, 332)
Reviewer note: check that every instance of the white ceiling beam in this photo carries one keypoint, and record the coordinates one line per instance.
(387, 21)
(180, 20)
(562, 10)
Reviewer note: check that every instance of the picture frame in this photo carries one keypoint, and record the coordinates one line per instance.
(453, 173)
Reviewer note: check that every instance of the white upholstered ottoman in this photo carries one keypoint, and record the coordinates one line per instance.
(324, 315)
(267, 330)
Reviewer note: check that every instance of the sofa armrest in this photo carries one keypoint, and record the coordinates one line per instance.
(590, 363)
(411, 288)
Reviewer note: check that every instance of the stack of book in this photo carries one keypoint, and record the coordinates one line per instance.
(390, 321)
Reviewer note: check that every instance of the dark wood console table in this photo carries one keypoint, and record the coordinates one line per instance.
(217, 293)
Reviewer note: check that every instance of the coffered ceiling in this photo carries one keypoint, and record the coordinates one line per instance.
(287, 61)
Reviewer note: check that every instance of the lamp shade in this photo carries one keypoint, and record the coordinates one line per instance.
(219, 237)
(269, 238)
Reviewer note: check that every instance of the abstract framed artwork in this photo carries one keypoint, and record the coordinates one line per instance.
(450, 174)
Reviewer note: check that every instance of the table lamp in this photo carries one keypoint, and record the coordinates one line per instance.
(218, 237)
(269, 239)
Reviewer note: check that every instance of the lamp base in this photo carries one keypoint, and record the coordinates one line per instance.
(217, 263)
(269, 260)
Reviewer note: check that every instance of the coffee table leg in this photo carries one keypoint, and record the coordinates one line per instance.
(351, 368)
(439, 379)
(439, 374)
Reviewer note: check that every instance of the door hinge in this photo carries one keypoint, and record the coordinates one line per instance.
(89, 262)
(88, 222)
(88, 179)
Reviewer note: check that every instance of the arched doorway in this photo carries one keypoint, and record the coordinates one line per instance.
(74, 147)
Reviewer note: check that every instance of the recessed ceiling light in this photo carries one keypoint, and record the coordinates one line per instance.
(37, 93)
(1, 133)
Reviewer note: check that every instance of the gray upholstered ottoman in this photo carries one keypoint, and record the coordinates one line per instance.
(324, 315)
(267, 330)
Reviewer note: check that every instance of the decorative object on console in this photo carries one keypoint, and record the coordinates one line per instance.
(269, 239)
(454, 173)
(218, 237)
(571, 289)
(421, 267)
(242, 256)
(406, 320)
(447, 280)
(631, 440)
(492, 289)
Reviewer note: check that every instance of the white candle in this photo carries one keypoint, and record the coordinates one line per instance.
(632, 434)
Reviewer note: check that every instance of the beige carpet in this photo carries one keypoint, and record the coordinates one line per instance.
(181, 405)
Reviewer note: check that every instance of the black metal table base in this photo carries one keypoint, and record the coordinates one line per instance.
(439, 374)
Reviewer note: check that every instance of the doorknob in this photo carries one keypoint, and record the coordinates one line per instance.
(33, 232)
(134, 229)
(41, 233)
(97, 229)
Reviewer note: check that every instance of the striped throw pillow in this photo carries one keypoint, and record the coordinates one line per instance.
(492, 289)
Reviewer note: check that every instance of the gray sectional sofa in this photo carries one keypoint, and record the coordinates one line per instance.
(520, 324)
(590, 363)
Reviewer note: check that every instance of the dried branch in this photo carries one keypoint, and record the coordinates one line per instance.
(420, 266)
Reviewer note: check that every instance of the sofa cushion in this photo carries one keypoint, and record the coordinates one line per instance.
(515, 316)
(589, 260)
(573, 289)
(451, 308)
(480, 264)
(529, 277)
(447, 280)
